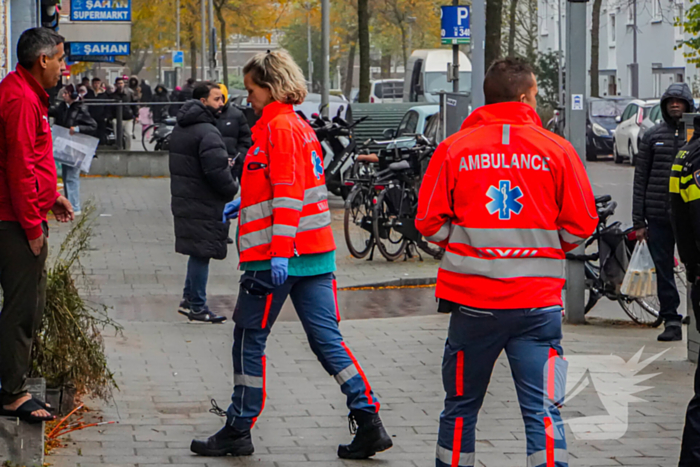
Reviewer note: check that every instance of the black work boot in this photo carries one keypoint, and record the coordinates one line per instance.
(370, 436)
(226, 441)
(673, 332)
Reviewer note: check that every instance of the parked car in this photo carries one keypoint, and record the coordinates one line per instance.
(384, 91)
(426, 75)
(413, 122)
(600, 124)
(639, 116)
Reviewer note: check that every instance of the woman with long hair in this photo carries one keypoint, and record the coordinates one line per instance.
(287, 249)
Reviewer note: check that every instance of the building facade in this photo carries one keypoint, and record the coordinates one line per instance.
(659, 57)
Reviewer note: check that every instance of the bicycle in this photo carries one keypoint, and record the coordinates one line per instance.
(156, 137)
(605, 269)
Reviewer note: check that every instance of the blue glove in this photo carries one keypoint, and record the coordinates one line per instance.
(279, 270)
(231, 210)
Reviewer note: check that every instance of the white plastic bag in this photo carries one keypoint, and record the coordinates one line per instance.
(640, 278)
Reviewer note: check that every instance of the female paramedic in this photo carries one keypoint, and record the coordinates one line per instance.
(286, 249)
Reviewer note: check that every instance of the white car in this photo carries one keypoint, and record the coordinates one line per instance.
(626, 138)
(384, 91)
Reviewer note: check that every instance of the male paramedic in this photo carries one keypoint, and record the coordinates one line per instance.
(506, 199)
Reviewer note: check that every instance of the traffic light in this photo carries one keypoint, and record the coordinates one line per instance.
(49, 13)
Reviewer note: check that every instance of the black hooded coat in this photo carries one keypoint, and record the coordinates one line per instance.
(201, 183)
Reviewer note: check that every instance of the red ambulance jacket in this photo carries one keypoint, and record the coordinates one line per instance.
(284, 200)
(506, 199)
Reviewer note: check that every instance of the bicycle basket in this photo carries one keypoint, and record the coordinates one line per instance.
(614, 257)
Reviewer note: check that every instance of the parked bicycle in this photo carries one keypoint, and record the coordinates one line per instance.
(156, 137)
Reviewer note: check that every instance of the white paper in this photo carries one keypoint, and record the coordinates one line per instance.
(76, 150)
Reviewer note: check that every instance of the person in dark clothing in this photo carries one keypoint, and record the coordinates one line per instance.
(235, 131)
(201, 183)
(175, 97)
(146, 91)
(98, 112)
(160, 112)
(187, 90)
(684, 188)
(123, 94)
(86, 82)
(650, 206)
(73, 115)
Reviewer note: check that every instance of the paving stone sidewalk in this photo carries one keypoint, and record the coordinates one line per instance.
(168, 372)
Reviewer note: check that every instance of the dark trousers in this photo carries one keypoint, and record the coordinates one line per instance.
(662, 248)
(196, 282)
(690, 450)
(23, 281)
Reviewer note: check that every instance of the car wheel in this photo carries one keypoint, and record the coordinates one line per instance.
(616, 156)
(631, 153)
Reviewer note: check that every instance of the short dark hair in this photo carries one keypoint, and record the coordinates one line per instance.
(202, 90)
(35, 42)
(85, 78)
(96, 79)
(117, 79)
(506, 80)
(190, 81)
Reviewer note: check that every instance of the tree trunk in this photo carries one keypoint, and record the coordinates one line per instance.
(494, 21)
(350, 70)
(386, 64)
(363, 39)
(595, 47)
(193, 59)
(224, 40)
(511, 27)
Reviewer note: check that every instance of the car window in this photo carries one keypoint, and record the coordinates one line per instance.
(655, 114)
(379, 90)
(630, 111)
(431, 129)
(408, 124)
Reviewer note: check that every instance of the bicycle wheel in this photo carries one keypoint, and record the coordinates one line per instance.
(358, 215)
(390, 242)
(147, 138)
(643, 311)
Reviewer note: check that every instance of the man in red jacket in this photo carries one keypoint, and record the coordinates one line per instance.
(506, 199)
(27, 194)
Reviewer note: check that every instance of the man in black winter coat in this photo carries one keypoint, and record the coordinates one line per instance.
(160, 112)
(125, 95)
(234, 128)
(650, 203)
(201, 183)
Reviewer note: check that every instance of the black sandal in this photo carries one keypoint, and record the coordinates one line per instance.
(24, 412)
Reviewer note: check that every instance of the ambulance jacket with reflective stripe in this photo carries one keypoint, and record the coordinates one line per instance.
(506, 199)
(684, 188)
(284, 200)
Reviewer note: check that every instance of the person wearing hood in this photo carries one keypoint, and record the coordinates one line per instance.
(650, 202)
(160, 112)
(73, 115)
(201, 183)
(146, 91)
(235, 130)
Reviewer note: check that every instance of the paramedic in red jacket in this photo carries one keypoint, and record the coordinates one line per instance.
(286, 249)
(506, 199)
(27, 194)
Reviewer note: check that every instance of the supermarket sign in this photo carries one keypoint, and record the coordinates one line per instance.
(100, 48)
(100, 10)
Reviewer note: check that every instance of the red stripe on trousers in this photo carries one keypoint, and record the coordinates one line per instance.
(264, 389)
(549, 435)
(551, 375)
(457, 442)
(368, 389)
(459, 381)
(335, 295)
(268, 305)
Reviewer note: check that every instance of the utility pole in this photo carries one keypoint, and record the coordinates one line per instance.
(575, 132)
(177, 39)
(213, 75)
(309, 56)
(326, 33)
(455, 60)
(635, 65)
(560, 83)
(477, 24)
(204, 39)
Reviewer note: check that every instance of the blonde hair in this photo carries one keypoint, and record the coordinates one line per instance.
(278, 72)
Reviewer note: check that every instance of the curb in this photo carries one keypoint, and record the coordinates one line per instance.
(403, 282)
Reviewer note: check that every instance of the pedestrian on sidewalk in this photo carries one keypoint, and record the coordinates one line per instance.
(506, 199)
(650, 205)
(123, 95)
(286, 249)
(201, 183)
(684, 187)
(236, 133)
(27, 193)
(73, 115)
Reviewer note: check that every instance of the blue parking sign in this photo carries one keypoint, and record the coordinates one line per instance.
(178, 57)
(454, 25)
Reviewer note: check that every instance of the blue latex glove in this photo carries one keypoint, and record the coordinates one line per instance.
(231, 210)
(279, 270)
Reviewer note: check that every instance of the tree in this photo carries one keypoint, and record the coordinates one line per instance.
(595, 47)
(363, 39)
(547, 72)
(691, 25)
(512, 27)
(494, 21)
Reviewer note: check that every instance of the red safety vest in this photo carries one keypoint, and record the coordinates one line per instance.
(284, 200)
(507, 199)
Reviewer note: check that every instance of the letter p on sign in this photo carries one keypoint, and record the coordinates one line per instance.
(462, 13)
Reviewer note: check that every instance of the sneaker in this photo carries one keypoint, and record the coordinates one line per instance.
(673, 332)
(77, 213)
(230, 241)
(184, 308)
(205, 315)
(226, 441)
(370, 436)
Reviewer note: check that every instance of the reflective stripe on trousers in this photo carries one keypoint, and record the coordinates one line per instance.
(444, 455)
(503, 268)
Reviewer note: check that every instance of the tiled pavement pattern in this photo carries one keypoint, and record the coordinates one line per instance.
(167, 373)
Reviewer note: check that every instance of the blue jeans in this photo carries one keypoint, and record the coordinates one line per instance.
(71, 185)
(314, 298)
(531, 339)
(196, 282)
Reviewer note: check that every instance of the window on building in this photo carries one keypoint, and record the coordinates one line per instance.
(678, 18)
(545, 17)
(656, 15)
(611, 31)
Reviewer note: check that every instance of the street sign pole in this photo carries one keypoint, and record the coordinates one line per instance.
(455, 60)
(177, 39)
(575, 132)
(325, 61)
(478, 31)
(455, 24)
(204, 40)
